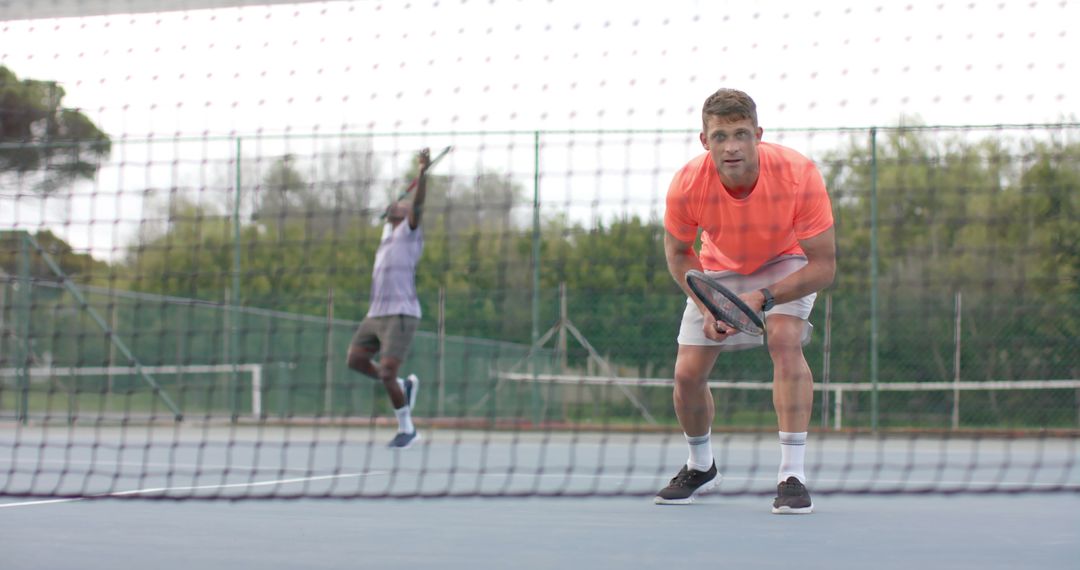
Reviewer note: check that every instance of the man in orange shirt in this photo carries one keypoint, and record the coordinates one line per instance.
(767, 235)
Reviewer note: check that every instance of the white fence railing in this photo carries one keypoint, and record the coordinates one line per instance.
(835, 389)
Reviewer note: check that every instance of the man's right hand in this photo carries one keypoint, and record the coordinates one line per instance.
(423, 159)
(717, 330)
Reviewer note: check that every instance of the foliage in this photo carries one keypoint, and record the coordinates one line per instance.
(40, 139)
(79, 267)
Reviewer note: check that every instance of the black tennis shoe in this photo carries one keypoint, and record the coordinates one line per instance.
(404, 440)
(792, 498)
(687, 484)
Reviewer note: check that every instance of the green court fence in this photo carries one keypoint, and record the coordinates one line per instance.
(957, 252)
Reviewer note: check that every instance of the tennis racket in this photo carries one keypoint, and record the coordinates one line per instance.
(724, 304)
(415, 181)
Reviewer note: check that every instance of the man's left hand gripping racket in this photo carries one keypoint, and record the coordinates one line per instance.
(724, 304)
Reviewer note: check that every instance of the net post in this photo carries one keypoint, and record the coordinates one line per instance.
(873, 281)
(110, 380)
(956, 364)
(825, 364)
(535, 273)
(5, 281)
(563, 318)
(228, 382)
(560, 347)
(440, 353)
(23, 350)
(256, 391)
(282, 380)
(234, 298)
(838, 410)
(328, 365)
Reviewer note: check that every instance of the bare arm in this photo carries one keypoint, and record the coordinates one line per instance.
(817, 274)
(417, 210)
(681, 258)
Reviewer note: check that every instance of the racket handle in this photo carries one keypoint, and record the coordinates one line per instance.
(416, 181)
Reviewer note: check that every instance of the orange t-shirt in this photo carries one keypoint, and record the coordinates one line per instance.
(788, 203)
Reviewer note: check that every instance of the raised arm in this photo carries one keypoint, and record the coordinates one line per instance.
(417, 210)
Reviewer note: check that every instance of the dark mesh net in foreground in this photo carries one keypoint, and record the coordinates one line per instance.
(184, 259)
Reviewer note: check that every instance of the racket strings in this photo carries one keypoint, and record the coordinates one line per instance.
(723, 305)
(730, 314)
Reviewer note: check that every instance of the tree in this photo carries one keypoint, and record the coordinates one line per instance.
(476, 251)
(327, 193)
(283, 193)
(190, 255)
(621, 295)
(994, 219)
(41, 140)
(78, 267)
(487, 200)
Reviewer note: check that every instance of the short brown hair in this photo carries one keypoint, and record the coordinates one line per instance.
(731, 104)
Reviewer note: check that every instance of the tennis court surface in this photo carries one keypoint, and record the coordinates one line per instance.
(733, 527)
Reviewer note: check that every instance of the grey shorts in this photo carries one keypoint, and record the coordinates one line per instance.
(390, 335)
(691, 329)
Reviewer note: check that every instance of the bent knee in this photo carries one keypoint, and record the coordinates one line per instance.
(687, 379)
(356, 359)
(785, 335)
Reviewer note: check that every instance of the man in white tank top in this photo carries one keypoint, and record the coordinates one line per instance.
(394, 313)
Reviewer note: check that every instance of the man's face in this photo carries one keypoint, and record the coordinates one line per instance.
(397, 212)
(732, 143)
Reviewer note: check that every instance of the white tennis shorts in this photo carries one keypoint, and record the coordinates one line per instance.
(692, 333)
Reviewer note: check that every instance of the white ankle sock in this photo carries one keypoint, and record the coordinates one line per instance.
(701, 456)
(792, 455)
(404, 419)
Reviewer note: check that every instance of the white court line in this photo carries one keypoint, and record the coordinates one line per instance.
(192, 466)
(194, 488)
(518, 474)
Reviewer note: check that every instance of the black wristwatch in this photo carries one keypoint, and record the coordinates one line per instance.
(769, 300)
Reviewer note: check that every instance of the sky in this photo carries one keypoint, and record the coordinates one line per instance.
(444, 68)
